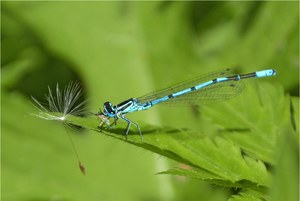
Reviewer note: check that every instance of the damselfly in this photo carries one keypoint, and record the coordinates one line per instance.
(212, 87)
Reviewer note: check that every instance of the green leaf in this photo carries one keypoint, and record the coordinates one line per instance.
(248, 195)
(193, 149)
(213, 179)
(254, 120)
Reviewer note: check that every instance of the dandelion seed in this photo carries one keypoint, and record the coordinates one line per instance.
(59, 105)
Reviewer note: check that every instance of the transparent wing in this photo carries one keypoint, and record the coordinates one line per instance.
(212, 93)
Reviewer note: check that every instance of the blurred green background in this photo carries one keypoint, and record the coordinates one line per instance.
(119, 50)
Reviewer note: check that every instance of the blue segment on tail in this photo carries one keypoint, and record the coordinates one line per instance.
(265, 73)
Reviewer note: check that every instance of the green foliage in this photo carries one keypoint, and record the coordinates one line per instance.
(247, 196)
(118, 50)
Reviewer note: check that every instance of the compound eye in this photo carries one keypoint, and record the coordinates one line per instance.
(108, 108)
(107, 104)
